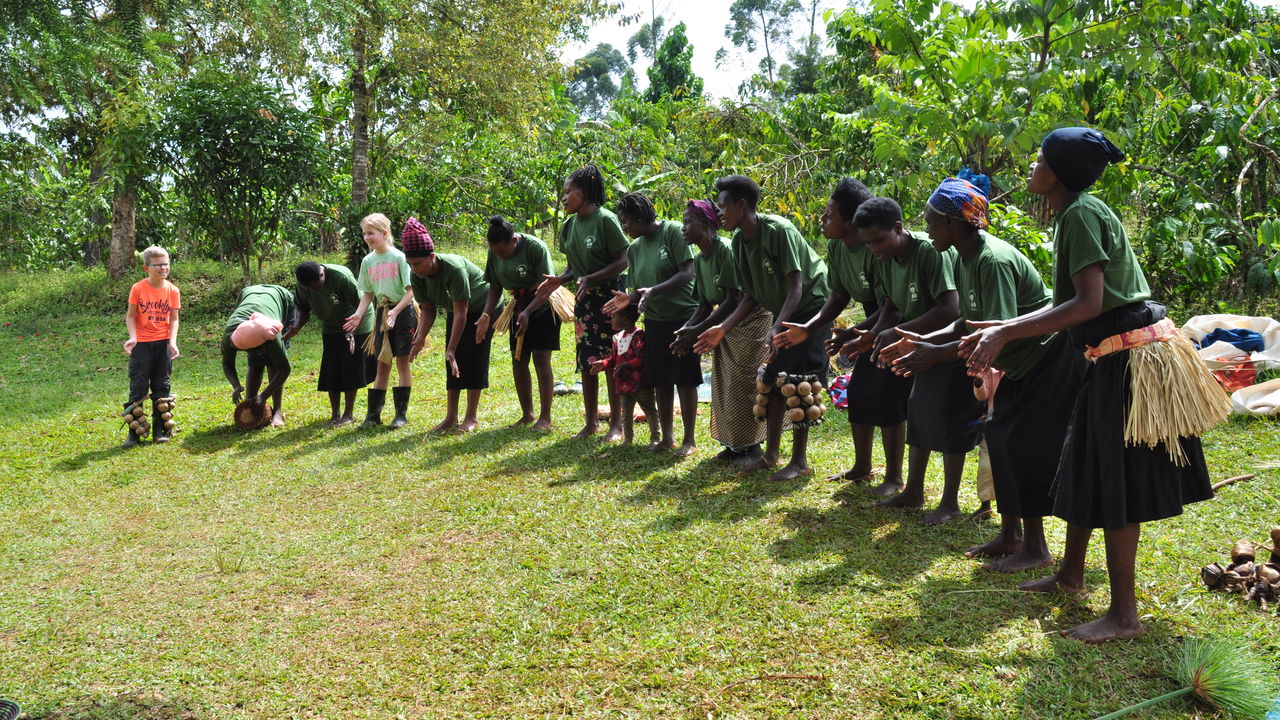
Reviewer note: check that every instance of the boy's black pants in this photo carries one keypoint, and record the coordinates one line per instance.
(149, 367)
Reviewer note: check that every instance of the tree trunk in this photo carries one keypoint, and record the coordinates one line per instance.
(123, 234)
(359, 121)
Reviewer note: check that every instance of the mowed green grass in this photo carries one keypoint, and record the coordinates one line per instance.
(316, 573)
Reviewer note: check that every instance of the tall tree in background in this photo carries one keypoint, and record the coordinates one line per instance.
(646, 39)
(672, 73)
(767, 22)
(591, 84)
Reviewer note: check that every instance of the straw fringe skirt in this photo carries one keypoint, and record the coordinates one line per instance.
(733, 382)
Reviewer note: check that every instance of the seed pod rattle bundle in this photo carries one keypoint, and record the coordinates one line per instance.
(136, 418)
(802, 394)
(1245, 575)
(164, 407)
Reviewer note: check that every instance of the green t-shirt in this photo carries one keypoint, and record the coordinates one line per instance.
(999, 283)
(523, 270)
(654, 259)
(334, 302)
(1088, 232)
(386, 275)
(714, 273)
(457, 279)
(914, 281)
(591, 242)
(764, 263)
(855, 272)
(271, 300)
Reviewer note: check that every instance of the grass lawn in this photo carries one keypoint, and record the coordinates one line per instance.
(316, 573)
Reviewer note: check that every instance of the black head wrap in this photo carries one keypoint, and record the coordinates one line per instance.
(1078, 155)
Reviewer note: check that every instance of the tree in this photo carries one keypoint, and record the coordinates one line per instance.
(672, 74)
(770, 20)
(591, 85)
(646, 39)
(241, 152)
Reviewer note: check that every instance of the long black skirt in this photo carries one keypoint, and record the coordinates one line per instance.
(341, 369)
(1028, 428)
(472, 357)
(661, 367)
(877, 396)
(942, 413)
(1101, 482)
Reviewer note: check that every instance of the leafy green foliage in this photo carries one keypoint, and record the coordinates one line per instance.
(591, 86)
(672, 73)
(242, 152)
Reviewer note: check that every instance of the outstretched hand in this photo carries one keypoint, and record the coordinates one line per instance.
(910, 355)
(549, 284)
(617, 302)
(981, 347)
(860, 342)
(794, 334)
(709, 340)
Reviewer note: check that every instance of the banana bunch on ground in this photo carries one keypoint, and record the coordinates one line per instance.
(136, 418)
(1245, 575)
(803, 394)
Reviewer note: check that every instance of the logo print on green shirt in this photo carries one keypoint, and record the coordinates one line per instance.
(589, 241)
(913, 293)
(973, 300)
(522, 271)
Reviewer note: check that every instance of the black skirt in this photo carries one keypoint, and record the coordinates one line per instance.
(543, 331)
(807, 358)
(942, 413)
(660, 366)
(1028, 428)
(1101, 482)
(472, 357)
(341, 369)
(876, 395)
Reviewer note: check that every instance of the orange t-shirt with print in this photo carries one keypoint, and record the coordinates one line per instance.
(155, 308)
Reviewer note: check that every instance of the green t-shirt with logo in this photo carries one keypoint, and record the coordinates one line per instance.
(652, 260)
(765, 262)
(714, 272)
(334, 302)
(590, 242)
(1088, 232)
(914, 281)
(523, 270)
(855, 272)
(458, 279)
(272, 301)
(386, 275)
(999, 283)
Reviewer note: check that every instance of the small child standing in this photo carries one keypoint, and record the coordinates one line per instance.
(152, 321)
(626, 362)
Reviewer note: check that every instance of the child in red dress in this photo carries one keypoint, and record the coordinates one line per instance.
(626, 362)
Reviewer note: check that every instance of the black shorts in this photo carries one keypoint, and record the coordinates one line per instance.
(543, 332)
(942, 413)
(401, 336)
(660, 366)
(807, 358)
(472, 357)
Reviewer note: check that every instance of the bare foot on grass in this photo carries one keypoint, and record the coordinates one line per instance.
(543, 425)
(752, 463)
(1019, 561)
(587, 431)
(467, 426)
(277, 420)
(686, 450)
(445, 426)
(1052, 584)
(888, 488)
(998, 546)
(791, 472)
(854, 474)
(524, 420)
(941, 516)
(903, 500)
(1104, 629)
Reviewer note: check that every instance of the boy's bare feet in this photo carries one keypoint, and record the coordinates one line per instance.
(1052, 584)
(889, 488)
(903, 499)
(686, 450)
(543, 425)
(524, 420)
(277, 420)
(941, 515)
(1019, 561)
(1108, 627)
(791, 472)
(613, 436)
(660, 445)
(998, 546)
(587, 431)
(445, 425)
(467, 426)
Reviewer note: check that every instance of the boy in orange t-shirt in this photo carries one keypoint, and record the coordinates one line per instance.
(152, 320)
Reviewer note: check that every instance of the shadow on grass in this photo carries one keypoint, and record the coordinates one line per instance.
(89, 457)
(741, 497)
(572, 461)
(125, 706)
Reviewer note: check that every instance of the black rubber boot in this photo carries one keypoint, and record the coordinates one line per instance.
(400, 396)
(130, 440)
(373, 418)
